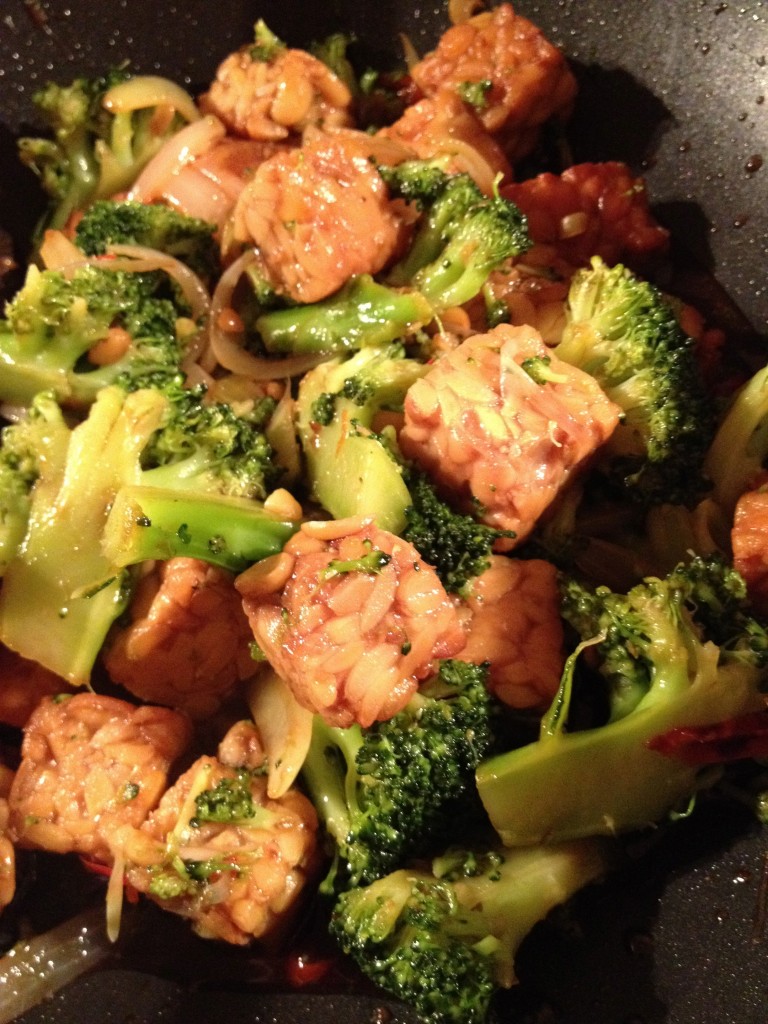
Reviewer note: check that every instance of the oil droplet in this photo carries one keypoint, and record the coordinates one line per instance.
(381, 1015)
(754, 163)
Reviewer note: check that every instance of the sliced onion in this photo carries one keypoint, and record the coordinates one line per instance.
(115, 892)
(460, 11)
(58, 251)
(143, 91)
(468, 159)
(380, 148)
(192, 141)
(410, 53)
(228, 346)
(285, 728)
(192, 288)
(34, 970)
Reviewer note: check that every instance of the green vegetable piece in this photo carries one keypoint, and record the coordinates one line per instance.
(161, 523)
(362, 314)
(351, 470)
(622, 331)
(678, 651)
(444, 939)
(60, 593)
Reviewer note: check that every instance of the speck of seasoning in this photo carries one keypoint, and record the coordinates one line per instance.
(684, 146)
(741, 220)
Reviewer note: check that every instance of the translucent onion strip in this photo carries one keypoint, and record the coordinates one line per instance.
(58, 251)
(183, 147)
(192, 288)
(410, 53)
(34, 970)
(144, 91)
(460, 11)
(285, 728)
(228, 345)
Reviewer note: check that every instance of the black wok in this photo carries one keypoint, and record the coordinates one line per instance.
(680, 91)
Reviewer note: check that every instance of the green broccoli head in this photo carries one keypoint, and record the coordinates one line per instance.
(422, 182)
(56, 319)
(622, 331)
(99, 146)
(188, 239)
(399, 787)
(67, 165)
(444, 938)
(463, 235)
(455, 544)
(209, 448)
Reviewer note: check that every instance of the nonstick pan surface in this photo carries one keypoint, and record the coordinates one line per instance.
(680, 91)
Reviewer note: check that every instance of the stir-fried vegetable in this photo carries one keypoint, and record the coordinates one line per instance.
(306, 420)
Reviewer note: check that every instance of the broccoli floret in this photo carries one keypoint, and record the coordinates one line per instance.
(739, 451)
(401, 786)
(352, 470)
(266, 45)
(187, 239)
(100, 144)
(208, 447)
(475, 93)
(362, 314)
(455, 544)
(25, 446)
(464, 235)
(230, 802)
(332, 51)
(622, 332)
(56, 320)
(682, 651)
(443, 938)
(204, 474)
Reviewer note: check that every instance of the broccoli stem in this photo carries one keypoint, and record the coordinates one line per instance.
(61, 593)
(333, 791)
(363, 313)
(604, 780)
(350, 469)
(161, 523)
